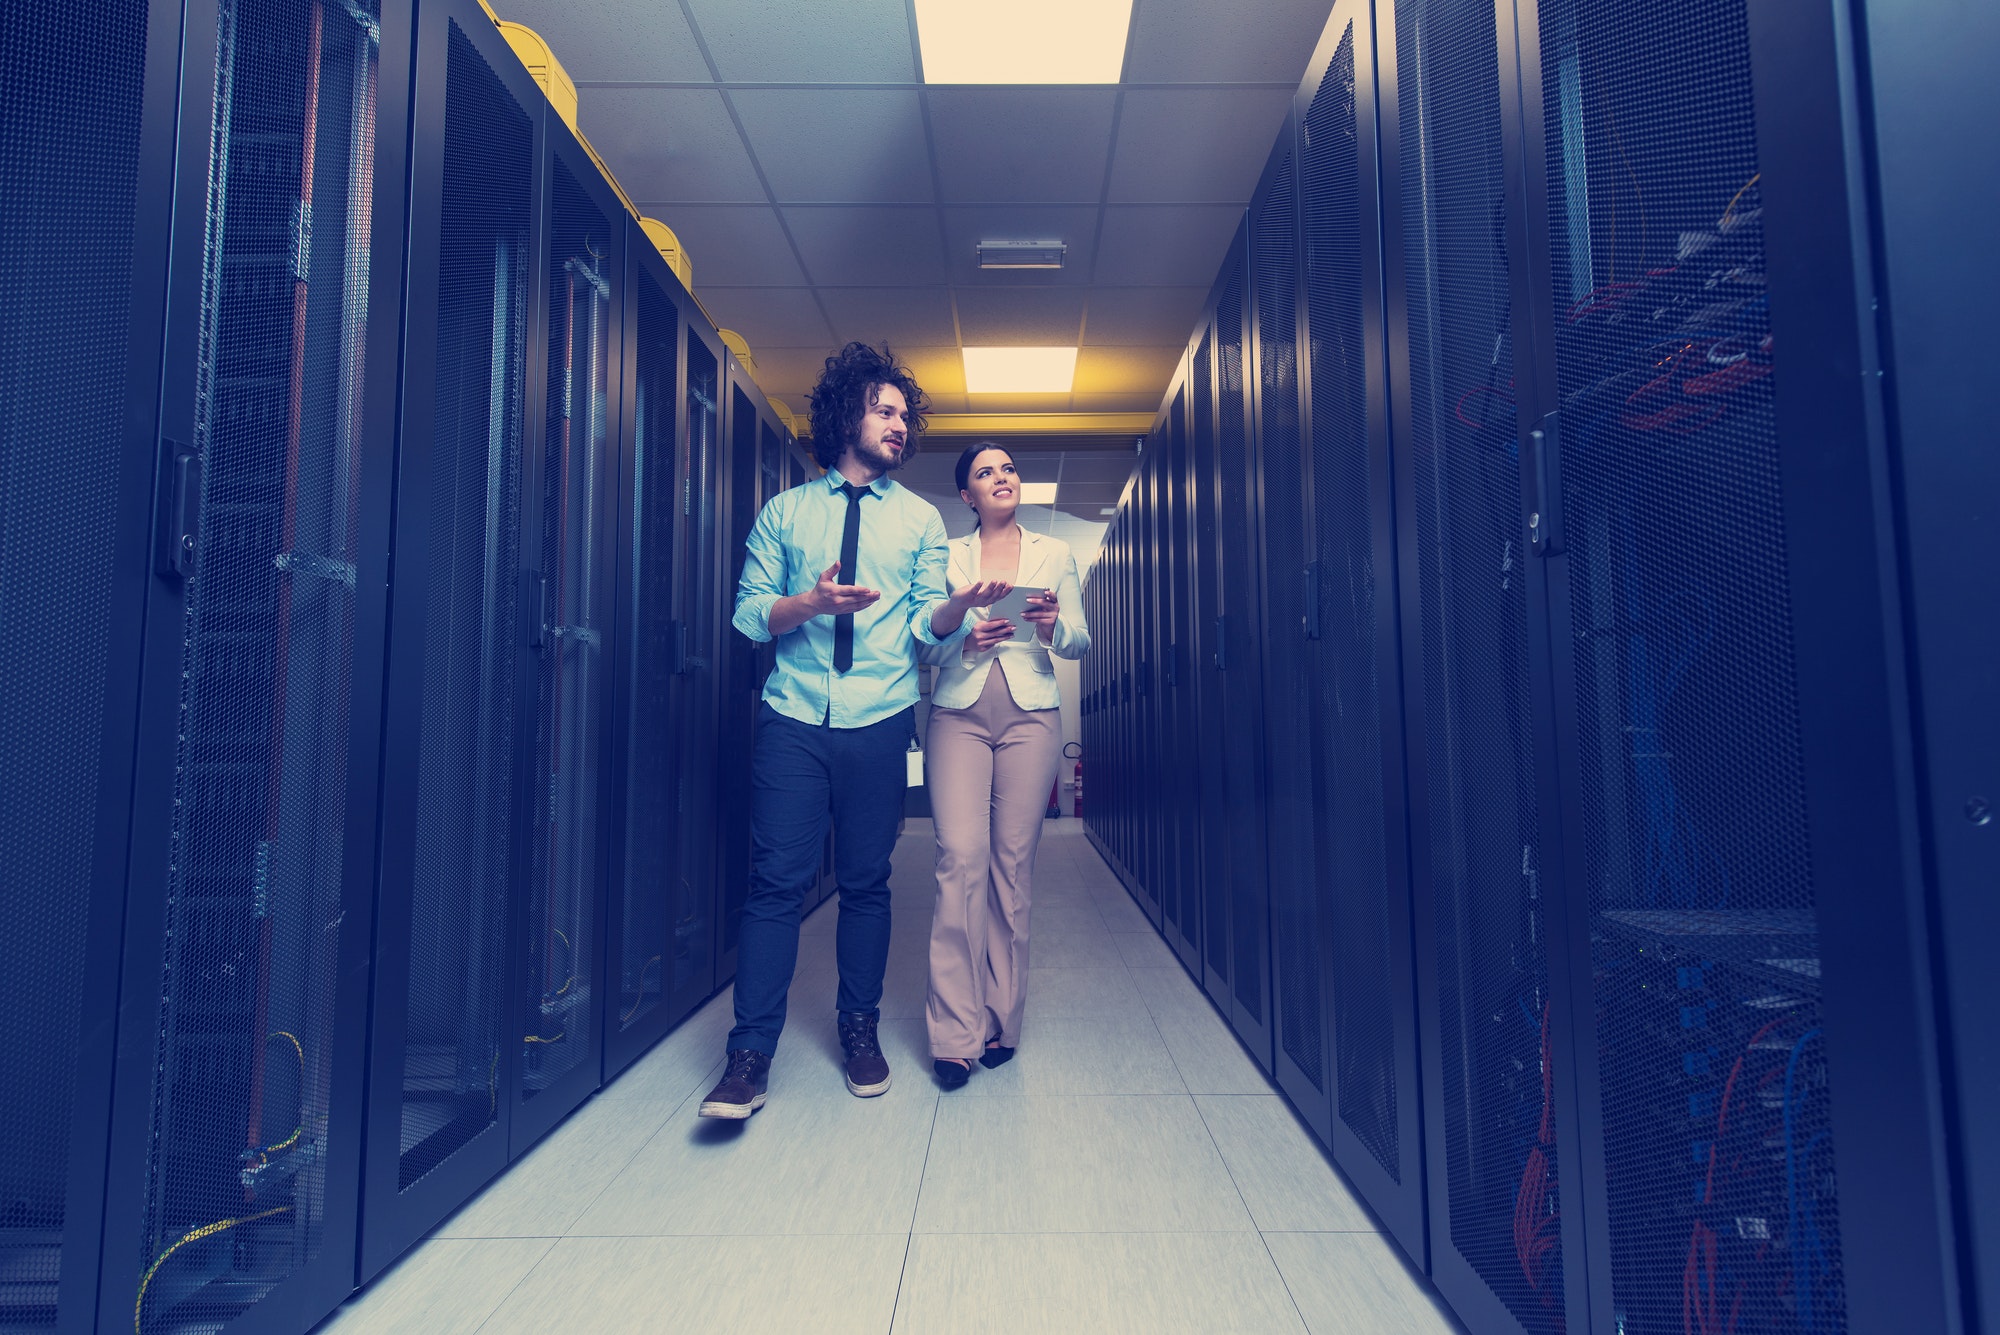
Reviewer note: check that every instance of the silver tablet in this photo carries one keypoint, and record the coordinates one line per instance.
(1014, 608)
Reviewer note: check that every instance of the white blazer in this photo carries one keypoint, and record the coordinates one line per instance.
(1045, 563)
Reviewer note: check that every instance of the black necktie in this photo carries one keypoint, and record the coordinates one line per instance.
(850, 555)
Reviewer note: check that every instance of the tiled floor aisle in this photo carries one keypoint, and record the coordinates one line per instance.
(1130, 1170)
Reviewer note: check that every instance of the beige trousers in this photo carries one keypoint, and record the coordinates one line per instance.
(989, 768)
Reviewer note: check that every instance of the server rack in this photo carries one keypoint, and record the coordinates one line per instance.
(659, 930)
(1622, 536)
(1505, 1246)
(236, 1124)
(1368, 1000)
(1183, 679)
(1937, 282)
(701, 619)
(1732, 704)
(1208, 657)
(443, 1071)
(80, 370)
(1280, 492)
(568, 519)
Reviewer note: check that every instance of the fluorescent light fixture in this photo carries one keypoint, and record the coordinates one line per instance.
(1038, 493)
(1019, 370)
(1023, 41)
(1021, 254)
(1109, 510)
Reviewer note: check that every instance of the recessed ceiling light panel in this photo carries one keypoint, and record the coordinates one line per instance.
(1023, 41)
(1019, 370)
(1021, 254)
(1038, 493)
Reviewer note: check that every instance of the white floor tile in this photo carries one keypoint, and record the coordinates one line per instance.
(543, 1193)
(1145, 950)
(823, 1162)
(1103, 1055)
(1210, 1057)
(609, 1286)
(1099, 1284)
(444, 1287)
(1357, 1284)
(1075, 1165)
(1286, 1180)
(1083, 994)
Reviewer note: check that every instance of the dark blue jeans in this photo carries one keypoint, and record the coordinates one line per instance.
(802, 774)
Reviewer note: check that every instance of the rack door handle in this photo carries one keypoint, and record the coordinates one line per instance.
(180, 513)
(1544, 487)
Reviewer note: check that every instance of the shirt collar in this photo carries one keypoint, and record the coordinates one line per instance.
(834, 482)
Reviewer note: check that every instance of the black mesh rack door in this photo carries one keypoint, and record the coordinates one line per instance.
(558, 947)
(1477, 857)
(1291, 659)
(1357, 713)
(245, 1193)
(1211, 627)
(1157, 615)
(1242, 644)
(87, 112)
(446, 1045)
(1184, 682)
(741, 687)
(661, 950)
(699, 621)
(1688, 835)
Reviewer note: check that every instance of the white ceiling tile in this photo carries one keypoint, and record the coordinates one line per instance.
(671, 143)
(1142, 316)
(808, 41)
(1195, 41)
(939, 371)
(966, 226)
(766, 316)
(730, 245)
(1195, 145)
(790, 372)
(1145, 244)
(1019, 317)
(856, 247)
(898, 315)
(1126, 370)
(641, 40)
(1041, 145)
(863, 146)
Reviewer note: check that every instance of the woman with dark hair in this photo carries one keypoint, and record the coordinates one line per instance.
(994, 743)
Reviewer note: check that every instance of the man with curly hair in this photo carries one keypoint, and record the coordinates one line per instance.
(847, 574)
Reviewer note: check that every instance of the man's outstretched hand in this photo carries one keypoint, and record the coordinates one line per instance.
(832, 598)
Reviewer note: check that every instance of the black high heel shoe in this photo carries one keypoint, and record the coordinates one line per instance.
(952, 1072)
(995, 1056)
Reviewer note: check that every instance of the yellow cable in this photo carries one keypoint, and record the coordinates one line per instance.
(194, 1235)
(537, 1038)
(264, 1155)
(626, 1018)
(1730, 212)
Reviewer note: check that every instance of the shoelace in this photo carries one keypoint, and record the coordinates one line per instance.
(858, 1037)
(742, 1064)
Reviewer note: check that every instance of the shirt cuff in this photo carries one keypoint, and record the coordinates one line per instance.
(922, 626)
(753, 616)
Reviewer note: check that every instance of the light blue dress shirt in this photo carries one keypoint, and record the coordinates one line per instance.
(902, 555)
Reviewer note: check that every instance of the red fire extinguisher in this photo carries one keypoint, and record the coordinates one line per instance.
(1074, 751)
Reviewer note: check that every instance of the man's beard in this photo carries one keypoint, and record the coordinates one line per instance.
(885, 458)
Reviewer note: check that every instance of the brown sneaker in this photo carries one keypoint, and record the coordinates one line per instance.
(741, 1091)
(867, 1068)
